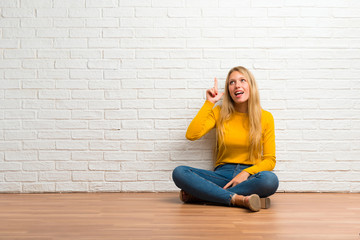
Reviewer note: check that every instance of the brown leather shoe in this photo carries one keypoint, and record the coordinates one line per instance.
(187, 198)
(252, 202)
(265, 203)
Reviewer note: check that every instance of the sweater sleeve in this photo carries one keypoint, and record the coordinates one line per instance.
(269, 159)
(203, 122)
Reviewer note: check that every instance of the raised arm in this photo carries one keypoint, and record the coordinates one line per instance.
(205, 120)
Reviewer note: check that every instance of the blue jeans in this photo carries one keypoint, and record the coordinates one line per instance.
(208, 185)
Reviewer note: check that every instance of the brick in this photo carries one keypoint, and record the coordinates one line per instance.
(69, 3)
(136, 3)
(154, 156)
(53, 135)
(184, 12)
(170, 124)
(137, 146)
(10, 187)
(116, 12)
(36, 23)
(104, 187)
(85, 53)
(54, 155)
(105, 124)
(72, 187)
(121, 114)
(21, 156)
(170, 22)
(121, 135)
(119, 74)
(54, 94)
(9, 104)
(9, 146)
(120, 156)
(85, 74)
(54, 114)
(153, 135)
(18, 12)
(52, 176)
(70, 84)
(8, 3)
(87, 176)
(138, 124)
(121, 176)
(137, 22)
(20, 135)
(122, 94)
(165, 186)
(87, 94)
(38, 187)
(38, 166)
(106, 146)
(20, 74)
(53, 74)
(137, 104)
(18, 33)
(154, 176)
(103, 64)
(89, 135)
(9, 43)
(38, 145)
(38, 84)
(69, 22)
(51, 12)
(32, 43)
(69, 43)
(104, 166)
(73, 145)
(101, 4)
(170, 146)
(138, 186)
(118, 33)
(20, 177)
(118, 54)
(108, 84)
(180, 83)
(20, 114)
(72, 166)
(86, 156)
(6, 167)
(153, 94)
(151, 114)
(110, 22)
(89, 115)
(84, 13)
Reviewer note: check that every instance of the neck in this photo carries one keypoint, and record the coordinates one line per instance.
(241, 107)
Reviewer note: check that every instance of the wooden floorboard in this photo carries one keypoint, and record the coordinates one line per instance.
(162, 216)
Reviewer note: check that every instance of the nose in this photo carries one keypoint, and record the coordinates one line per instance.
(238, 84)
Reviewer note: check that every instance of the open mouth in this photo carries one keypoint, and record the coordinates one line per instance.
(238, 93)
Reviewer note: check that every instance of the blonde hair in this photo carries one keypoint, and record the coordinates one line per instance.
(254, 112)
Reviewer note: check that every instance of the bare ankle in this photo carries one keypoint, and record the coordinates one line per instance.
(237, 200)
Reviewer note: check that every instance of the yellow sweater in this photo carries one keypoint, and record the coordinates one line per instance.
(236, 137)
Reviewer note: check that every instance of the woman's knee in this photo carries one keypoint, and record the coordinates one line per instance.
(270, 182)
(179, 172)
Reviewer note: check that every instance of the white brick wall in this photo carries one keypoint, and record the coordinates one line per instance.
(97, 95)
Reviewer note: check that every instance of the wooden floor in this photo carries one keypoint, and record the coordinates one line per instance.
(162, 216)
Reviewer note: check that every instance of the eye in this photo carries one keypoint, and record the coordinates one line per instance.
(243, 80)
(232, 82)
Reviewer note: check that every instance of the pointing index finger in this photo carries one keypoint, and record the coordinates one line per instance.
(215, 84)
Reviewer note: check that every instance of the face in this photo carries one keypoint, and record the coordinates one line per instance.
(239, 88)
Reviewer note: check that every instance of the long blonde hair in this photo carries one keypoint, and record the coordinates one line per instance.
(254, 112)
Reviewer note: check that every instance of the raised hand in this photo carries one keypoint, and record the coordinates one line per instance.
(212, 94)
